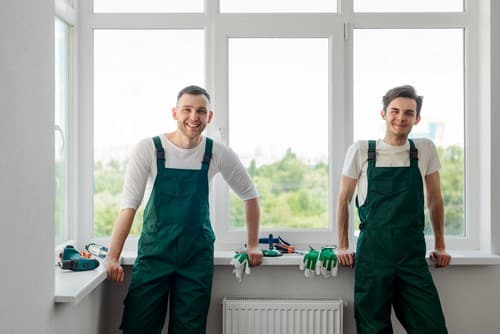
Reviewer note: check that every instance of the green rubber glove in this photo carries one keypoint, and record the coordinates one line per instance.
(310, 262)
(241, 265)
(328, 262)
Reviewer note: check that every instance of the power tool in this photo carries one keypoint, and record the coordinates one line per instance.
(72, 259)
(97, 250)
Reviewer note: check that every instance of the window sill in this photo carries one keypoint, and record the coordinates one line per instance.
(223, 258)
(72, 287)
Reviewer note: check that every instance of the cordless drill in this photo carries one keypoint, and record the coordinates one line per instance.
(72, 259)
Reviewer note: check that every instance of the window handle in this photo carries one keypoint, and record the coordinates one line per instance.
(59, 130)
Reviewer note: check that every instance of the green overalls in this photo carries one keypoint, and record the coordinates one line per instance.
(175, 253)
(390, 258)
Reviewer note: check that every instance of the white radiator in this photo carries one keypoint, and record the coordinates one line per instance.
(281, 316)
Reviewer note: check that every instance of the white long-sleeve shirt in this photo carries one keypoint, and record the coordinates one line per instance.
(142, 170)
(356, 160)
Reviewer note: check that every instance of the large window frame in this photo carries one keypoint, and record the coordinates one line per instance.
(66, 12)
(338, 28)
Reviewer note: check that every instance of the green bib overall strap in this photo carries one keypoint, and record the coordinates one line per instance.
(160, 153)
(207, 156)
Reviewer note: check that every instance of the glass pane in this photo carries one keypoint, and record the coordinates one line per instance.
(61, 130)
(384, 6)
(432, 60)
(148, 6)
(283, 93)
(137, 75)
(278, 6)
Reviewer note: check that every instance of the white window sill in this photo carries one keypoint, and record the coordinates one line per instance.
(72, 287)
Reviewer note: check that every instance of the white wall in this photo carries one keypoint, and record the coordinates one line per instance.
(27, 178)
(470, 294)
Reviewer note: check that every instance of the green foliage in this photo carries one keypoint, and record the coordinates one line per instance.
(452, 185)
(292, 194)
(108, 184)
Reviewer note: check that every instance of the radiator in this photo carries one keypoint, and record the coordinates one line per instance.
(281, 316)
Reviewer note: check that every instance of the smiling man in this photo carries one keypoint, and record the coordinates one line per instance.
(391, 269)
(176, 247)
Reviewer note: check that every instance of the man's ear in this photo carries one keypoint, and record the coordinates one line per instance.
(382, 113)
(417, 120)
(210, 116)
(174, 113)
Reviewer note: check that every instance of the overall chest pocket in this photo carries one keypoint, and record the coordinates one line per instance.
(389, 181)
(180, 185)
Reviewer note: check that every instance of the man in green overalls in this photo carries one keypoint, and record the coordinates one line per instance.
(391, 268)
(176, 247)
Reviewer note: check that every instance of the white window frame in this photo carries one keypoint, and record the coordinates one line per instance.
(468, 21)
(338, 28)
(65, 11)
(328, 26)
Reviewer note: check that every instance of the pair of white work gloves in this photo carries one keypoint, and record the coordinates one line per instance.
(322, 262)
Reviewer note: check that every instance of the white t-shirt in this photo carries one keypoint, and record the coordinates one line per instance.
(141, 169)
(356, 160)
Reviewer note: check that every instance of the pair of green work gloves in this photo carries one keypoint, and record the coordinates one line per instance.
(241, 264)
(322, 262)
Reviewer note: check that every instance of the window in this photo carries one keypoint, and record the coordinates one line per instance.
(437, 72)
(62, 107)
(290, 94)
(278, 6)
(388, 6)
(137, 74)
(64, 78)
(148, 6)
(288, 159)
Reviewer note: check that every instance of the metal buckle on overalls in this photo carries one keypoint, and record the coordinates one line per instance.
(206, 159)
(414, 155)
(371, 155)
(160, 155)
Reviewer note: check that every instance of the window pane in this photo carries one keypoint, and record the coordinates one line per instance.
(408, 6)
(278, 6)
(278, 124)
(137, 75)
(61, 130)
(148, 6)
(432, 61)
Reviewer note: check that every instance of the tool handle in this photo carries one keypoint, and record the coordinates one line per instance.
(80, 264)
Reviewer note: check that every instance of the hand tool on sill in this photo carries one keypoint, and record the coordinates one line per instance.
(97, 250)
(72, 259)
(265, 252)
(284, 248)
(270, 240)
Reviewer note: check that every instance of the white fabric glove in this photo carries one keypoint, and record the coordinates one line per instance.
(241, 265)
(328, 262)
(310, 263)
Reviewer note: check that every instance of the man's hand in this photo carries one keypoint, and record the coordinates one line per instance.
(255, 256)
(440, 257)
(115, 270)
(241, 265)
(345, 257)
